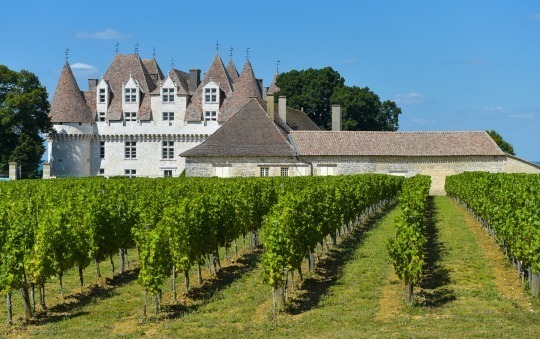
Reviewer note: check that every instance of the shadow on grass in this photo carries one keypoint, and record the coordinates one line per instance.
(202, 295)
(329, 269)
(70, 308)
(433, 291)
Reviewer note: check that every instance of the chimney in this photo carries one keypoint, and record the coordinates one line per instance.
(92, 84)
(282, 106)
(194, 79)
(270, 106)
(260, 83)
(13, 171)
(336, 118)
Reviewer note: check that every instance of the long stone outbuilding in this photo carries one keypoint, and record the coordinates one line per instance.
(253, 143)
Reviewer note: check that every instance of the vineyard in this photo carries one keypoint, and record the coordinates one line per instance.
(260, 246)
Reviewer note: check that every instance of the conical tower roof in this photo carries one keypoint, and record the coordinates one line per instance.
(245, 88)
(68, 103)
(273, 88)
(217, 74)
(231, 71)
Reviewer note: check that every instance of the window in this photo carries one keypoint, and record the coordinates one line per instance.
(210, 116)
(130, 173)
(102, 95)
(130, 95)
(130, 150)
(210, 95)
(265, 171)
(284, 171)
(168, 95)
(168, 116)
(102, 149)
(167, 150)
(222, 172)
(130, 116)
(326, 170)
(101, 171)
(167, 173)
(101, 116)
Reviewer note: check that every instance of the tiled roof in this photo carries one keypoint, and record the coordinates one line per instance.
(90, 98)
(179, 79)
(68, 103)
(249, 133)
(245, 88)
(273, 88)
(119, 71)
(217, 74)
(153, 68)
(296, 120)
(394, 143)
(231, 71)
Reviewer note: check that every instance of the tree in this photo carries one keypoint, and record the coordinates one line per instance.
(315, 90)
(23, 119)
(504, 145)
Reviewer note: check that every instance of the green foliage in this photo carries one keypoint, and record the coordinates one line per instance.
(407, 249)
(315, 90)
(509, 206)
(503, 144)
(23, 117)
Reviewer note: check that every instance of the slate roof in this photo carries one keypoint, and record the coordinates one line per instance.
(245, 88)
(68, 103)
(249, 133)
(218, 74)
(153, 68)
(179, 79)
(231, 71)
(363, 143)
(122, 66)
(273, 88)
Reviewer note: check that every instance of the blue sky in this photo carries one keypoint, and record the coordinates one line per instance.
(450, 65)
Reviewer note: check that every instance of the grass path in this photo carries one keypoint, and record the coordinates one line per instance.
(469, 290)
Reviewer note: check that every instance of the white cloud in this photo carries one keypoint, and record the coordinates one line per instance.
(535, 17)
(108, 34)
(81, 69)
(522, 116)
(410, 98)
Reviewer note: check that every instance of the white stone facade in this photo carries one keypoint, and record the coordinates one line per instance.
(245, 167)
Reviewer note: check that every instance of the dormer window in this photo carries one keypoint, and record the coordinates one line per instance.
(102, 97)
(210, 116)
(130, 95)
(168, 94)
(210, 95)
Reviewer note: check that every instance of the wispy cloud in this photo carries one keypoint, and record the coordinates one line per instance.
(108, 34)
(81, 69)
(535, 17)
(522, 116)
(410, 98)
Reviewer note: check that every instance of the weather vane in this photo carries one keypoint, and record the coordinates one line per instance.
(247, 53)
(217, 46)
(67, 54)
(154, 52)
(231, 52)
(117, 44)
(137, 48)
(172, 63)
(277, 67)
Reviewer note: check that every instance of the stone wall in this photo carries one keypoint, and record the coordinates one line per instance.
(244, 167)
(436, 167)
(516, 165)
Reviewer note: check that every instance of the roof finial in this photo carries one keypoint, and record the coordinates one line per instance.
(217, 47)
(172, 63)
(154, 52)
(277, 67)
(117, 44)
(67, 54)
(231, 50)
(247, 53)
(137, 48)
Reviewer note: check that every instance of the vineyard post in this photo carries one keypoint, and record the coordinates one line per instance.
(174, 283)
(535, 284)
(81, 278)
(121, 255)
(9, 310)
(26, 299)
